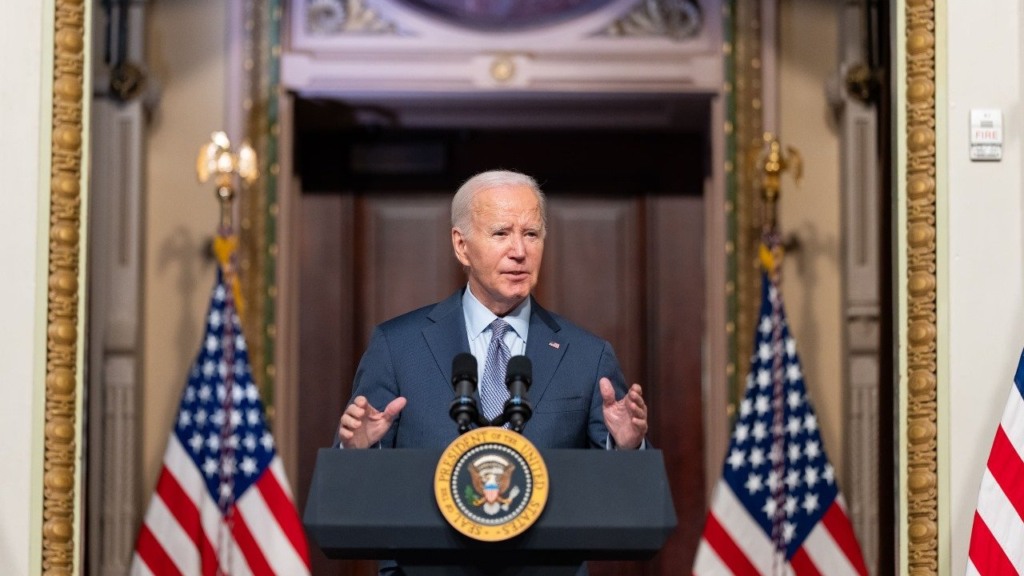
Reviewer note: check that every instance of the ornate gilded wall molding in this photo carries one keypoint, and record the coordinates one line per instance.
(258, 204)
(921, 488)
(62, 295)
(748, 131)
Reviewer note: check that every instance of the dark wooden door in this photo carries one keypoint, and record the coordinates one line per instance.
(623, 260)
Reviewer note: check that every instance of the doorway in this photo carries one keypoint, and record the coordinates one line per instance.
(624, 258)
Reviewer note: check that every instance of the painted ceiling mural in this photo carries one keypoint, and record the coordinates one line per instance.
(675, 20)
(505, 14)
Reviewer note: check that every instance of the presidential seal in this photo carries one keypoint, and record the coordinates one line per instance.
(491, 484)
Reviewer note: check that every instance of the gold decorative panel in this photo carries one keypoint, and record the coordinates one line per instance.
(62, 289)
(921, 422)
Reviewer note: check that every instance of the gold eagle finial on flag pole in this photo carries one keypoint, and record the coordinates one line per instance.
(218, 161)
(772, 163)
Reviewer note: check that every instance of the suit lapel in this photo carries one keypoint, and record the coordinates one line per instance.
(446, 337)
(545, 349)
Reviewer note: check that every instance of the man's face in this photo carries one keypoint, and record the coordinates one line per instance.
(504, 246)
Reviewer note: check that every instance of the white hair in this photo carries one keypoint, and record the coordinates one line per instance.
(462, 203)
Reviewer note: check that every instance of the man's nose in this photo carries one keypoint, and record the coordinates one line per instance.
(517, 249)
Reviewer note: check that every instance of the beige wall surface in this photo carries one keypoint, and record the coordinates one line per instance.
(981, 252)
(185, 51)
(810, 213)
(24, 199)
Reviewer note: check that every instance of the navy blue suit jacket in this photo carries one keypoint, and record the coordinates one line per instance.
(411, 356)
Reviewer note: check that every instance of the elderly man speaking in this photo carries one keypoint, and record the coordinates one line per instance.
(403, 388)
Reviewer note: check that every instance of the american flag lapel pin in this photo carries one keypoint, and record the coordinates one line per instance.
(554, 345)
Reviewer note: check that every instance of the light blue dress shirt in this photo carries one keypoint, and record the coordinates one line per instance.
(478, 328)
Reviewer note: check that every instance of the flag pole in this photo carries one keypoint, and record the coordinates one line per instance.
(773, 163)
(217, 161)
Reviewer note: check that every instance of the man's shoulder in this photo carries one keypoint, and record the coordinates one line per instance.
(566, 328)
(429, 314)
(405, 321)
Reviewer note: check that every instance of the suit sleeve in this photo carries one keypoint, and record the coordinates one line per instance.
(608, 367)
(375, 379)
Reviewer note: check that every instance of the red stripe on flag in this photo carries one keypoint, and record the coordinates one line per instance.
(802, 564)
(187, 516)
(726, 548)
(153, 554)
(1005, 465)
(284, 512)
(986, 553)
(248, 546)
(839, 526)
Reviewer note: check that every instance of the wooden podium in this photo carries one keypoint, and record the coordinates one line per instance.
(380, 504)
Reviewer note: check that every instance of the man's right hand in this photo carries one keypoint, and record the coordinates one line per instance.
(363, 425)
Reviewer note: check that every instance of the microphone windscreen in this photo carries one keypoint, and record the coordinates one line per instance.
(464, 367)
(519, 367)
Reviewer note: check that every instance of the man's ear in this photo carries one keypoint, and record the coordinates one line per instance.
(459, 245)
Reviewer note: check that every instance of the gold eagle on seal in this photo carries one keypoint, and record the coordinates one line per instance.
(491, 476)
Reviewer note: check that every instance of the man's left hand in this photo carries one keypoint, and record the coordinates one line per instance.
(626, 419)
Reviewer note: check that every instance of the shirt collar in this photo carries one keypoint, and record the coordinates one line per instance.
(478, 317)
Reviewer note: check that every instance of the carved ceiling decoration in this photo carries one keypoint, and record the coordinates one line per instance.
(330, 17)
(351, 47)
(671, 19)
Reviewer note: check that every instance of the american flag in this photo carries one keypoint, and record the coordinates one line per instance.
(997, 537)
(777, 508)
(222, 503)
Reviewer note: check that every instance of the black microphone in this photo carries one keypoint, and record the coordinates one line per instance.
(464, 409)
(518, 378)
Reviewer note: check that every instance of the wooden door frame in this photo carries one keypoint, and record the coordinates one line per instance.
(715, 382)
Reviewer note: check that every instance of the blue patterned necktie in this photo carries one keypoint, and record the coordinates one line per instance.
(493, 392)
